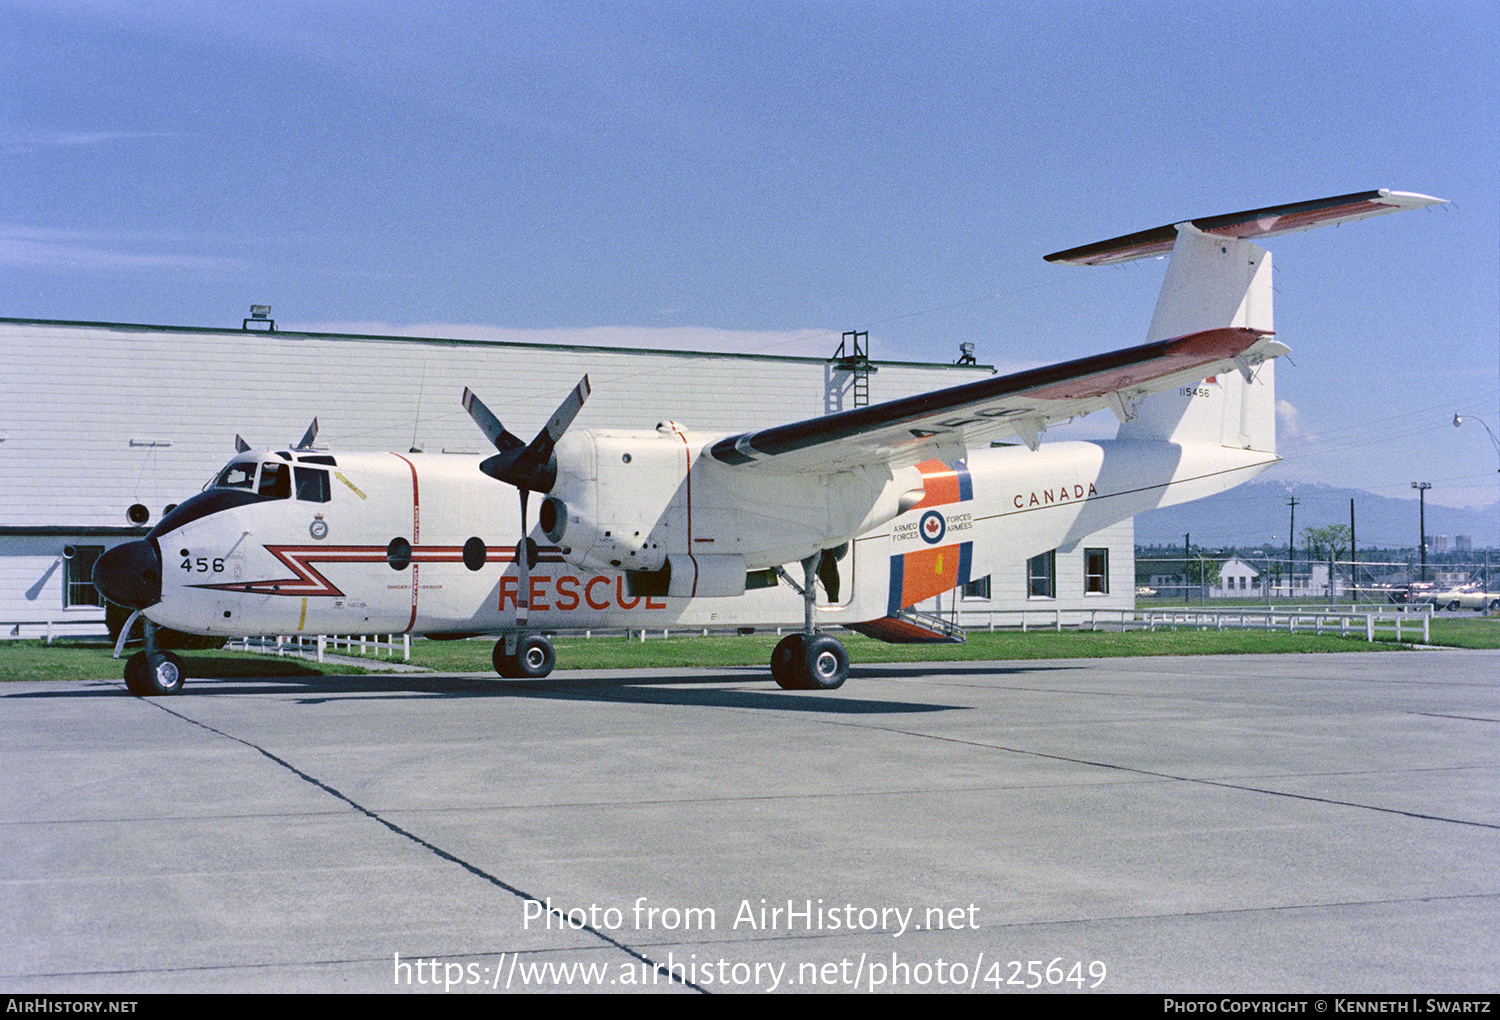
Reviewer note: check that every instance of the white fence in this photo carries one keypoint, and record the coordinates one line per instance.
(50, 629)
(1404, 622)
(317, 645)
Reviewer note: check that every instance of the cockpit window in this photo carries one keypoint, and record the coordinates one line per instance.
(312, 485)
(239, 475)
(275, 480)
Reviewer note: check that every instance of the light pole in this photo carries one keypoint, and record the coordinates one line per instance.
(1422, 488)
(1458, 420)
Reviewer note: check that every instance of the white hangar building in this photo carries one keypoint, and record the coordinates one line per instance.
(105, 426)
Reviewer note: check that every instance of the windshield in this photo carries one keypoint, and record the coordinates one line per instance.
(238, 474)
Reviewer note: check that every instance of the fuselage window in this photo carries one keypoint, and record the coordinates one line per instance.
(312, 485)
(275, 480)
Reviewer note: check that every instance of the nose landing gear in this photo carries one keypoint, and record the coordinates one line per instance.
(151, 673)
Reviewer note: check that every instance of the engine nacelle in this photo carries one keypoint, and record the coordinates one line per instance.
(612, 506)
(650, 504)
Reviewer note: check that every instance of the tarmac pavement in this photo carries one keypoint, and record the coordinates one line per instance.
(1291, 823)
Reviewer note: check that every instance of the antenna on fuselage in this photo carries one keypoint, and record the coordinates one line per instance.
(240, 446)
(308, 437)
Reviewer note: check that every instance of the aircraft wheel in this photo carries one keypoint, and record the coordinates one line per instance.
(823, 665)
(135, 675)
(788, 650)
(534, 658)
(505, 665)
(162, 673)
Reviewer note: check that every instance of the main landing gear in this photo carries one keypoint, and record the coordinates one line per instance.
(152, 672)
(809, 661)
(523, 656)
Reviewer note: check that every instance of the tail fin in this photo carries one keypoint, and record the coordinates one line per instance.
(1226, 282)
(1217, 278)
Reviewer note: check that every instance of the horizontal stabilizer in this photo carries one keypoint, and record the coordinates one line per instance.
(1250, 224)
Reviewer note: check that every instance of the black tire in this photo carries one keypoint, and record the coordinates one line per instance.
(135, 675)
(163, 673)
(535, 657)
(788, 650)
(533, 660)
(505, 665)
(1452, 607)
(823, 665)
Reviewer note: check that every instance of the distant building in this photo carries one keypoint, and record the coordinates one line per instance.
(1236, 578)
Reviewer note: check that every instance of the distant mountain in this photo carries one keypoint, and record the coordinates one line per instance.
(1256, 514)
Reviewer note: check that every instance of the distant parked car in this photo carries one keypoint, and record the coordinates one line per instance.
(1464, 598)
(1143, 592)
(1416, 592)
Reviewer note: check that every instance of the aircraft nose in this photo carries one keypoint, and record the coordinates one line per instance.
(130, 575)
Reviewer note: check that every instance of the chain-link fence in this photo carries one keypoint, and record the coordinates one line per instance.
(1208, 578)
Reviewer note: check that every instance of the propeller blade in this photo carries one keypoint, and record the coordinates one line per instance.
(531, 467)
(490, 425)
(240, 446)
(559, 422)
(308, 436)
(523, 567)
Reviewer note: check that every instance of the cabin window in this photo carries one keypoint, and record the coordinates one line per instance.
(275, 480)
(312, 485)
(1096, 571)
(1041, 576)
(78, 576)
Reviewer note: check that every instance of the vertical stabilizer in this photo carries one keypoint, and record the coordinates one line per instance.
(1213, 282)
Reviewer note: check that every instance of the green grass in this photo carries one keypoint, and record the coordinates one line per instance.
(84, 660)
(34, 660)
(755, 650)
(1460, 632)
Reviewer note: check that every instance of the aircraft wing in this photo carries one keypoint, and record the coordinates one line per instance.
(948, 422)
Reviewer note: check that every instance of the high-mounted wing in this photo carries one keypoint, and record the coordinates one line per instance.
(1249, 225)
(912, 429)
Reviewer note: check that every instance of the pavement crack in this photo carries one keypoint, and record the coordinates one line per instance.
(436, 850)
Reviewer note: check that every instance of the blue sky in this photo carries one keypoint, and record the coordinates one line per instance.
(761, 176)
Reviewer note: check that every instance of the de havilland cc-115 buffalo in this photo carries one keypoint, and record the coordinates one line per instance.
(882, 506)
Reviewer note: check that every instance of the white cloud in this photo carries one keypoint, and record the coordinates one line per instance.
(1288, 421)
(24, 247)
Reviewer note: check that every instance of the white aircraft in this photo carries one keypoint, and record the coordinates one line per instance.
(906, 499)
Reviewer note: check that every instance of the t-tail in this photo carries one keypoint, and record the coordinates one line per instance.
(1219, 277)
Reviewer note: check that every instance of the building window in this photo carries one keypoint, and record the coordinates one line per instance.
(1041, 576)
(78, 576)
(1096, 571)
(979, 589)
